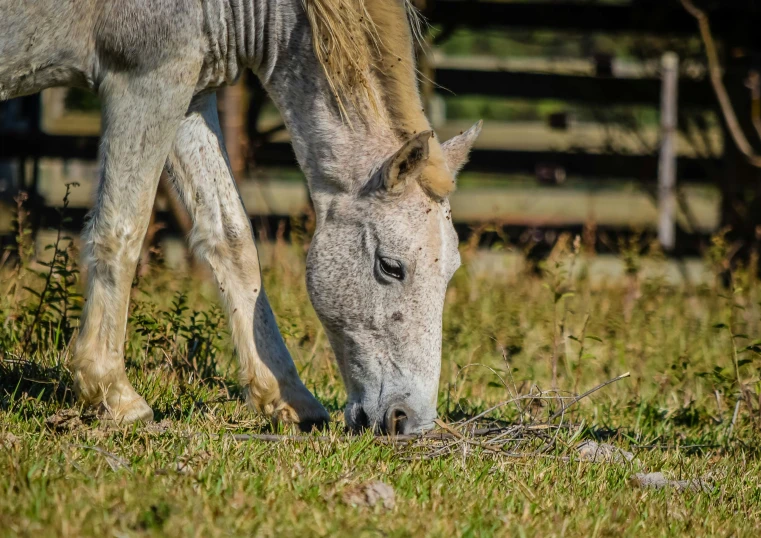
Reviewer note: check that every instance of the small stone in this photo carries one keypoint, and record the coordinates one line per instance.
(598, 453)
(8, 440)
(370, 494)
(659, 481)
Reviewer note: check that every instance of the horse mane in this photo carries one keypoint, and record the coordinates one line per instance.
(355, 39)
(344, 38)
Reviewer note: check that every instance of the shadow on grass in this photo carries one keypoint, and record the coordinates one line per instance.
(49, 384)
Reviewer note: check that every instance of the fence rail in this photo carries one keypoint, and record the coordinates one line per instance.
(592, 86)
(638, 16)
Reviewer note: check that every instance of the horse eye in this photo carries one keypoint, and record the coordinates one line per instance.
(391, 268)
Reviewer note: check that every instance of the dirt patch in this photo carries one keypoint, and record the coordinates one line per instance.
(65, 420)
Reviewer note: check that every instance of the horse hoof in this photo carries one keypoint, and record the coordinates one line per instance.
(308, 426)
(123, 414)
(302, 408)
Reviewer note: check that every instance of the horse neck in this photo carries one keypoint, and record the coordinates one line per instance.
(336, 153)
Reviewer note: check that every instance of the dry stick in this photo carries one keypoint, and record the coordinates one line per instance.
(673, 447)
(449, 434)
(714, 71)
(4, 258)
(274, 438)
(448, 448)
(508, 402)
(458, 435)
(754, 84)
(734, 417)
(718, 405)
(514, 392)
(74, 464)
(576, 400)
(430, 436)
(114, 461)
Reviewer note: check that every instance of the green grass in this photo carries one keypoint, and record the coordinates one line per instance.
(691, 353)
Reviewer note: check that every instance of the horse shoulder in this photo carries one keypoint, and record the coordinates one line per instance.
(145, 33)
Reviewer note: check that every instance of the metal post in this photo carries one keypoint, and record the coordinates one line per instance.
(667, 162)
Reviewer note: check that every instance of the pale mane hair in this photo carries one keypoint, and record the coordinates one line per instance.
(356, 40)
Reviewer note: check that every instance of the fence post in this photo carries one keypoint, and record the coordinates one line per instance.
(667, 161)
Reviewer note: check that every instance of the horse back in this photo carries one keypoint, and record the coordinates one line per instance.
(48, 43)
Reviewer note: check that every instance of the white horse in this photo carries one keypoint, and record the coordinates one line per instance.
(342, 74)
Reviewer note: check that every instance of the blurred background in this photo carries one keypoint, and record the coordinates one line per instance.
(600, 119)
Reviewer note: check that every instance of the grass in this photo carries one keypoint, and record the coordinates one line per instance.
(691, 351)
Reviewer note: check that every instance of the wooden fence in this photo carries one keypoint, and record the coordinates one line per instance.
(504, 149)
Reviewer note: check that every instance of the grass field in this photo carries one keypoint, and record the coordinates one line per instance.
(691, 352)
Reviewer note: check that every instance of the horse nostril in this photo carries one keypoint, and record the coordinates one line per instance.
(397, 420)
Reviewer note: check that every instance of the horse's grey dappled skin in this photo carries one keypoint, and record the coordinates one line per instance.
(384, 247)
(384, 255)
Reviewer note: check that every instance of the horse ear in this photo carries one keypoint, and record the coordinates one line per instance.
(407, 163)
(456, 149)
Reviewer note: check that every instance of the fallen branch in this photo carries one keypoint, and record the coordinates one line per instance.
(113, 461)
(714, 71)
(577, 399)
(429, 436)
(443, 425)
(493, 438)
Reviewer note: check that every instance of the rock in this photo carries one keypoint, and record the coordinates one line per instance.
(598, 453)
(659, 481)
(8, 440)
(370, 494)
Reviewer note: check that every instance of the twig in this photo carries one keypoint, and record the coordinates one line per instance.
(458, 435)
(430, 436)
(714, 70)
(278, 438)
(754, 84)
(576, 400)
(514, 392)
(114, 461)
(505, 440)
(512, 400)
(674, 447)
(74, 464)
(734, 417)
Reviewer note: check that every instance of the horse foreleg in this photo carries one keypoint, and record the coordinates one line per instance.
(141, 113)
(222, 236)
